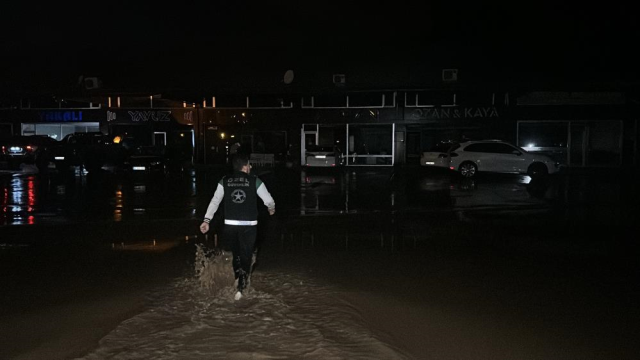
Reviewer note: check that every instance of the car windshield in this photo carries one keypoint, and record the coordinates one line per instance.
(444, 147)
(315, 148)
(149, 150)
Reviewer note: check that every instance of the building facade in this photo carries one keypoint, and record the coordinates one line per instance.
(367, 127)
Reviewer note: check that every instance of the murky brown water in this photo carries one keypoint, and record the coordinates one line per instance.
(427, 269)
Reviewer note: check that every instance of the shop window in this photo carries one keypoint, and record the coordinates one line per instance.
(370, 144)
(66, 130)
(546, 137)
(53, 131)
(542, 134)
(604, 147)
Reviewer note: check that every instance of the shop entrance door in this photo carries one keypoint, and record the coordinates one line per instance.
(159, 138)
(578, 138)
(309, 139)
(413, 148)
(400, 148)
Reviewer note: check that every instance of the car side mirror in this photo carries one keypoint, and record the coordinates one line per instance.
(516, 153)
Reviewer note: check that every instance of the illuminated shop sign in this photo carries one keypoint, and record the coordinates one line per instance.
(145, 116)
(151, 116)
(456, 113)
(139, 116)
(61, 116)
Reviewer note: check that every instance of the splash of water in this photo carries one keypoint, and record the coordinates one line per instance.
(213, 269)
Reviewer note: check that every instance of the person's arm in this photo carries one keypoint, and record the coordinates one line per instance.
(212, 208)
(263, 193)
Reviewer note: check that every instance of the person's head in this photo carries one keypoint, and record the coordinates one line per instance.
(240, 162)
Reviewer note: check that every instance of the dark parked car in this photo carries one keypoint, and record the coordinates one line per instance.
(36, 150)
(92, 150)
(147, 160)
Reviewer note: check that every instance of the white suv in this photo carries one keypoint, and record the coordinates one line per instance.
(498, 156)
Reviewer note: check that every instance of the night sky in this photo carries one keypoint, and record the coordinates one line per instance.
(190, 44)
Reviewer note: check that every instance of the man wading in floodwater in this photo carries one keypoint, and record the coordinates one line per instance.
(240, 192)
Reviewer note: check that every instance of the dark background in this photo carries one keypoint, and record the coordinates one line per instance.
(207, 45)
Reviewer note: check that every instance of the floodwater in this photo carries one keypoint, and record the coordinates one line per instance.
(32, 199)
(358, 264)
(283, 316)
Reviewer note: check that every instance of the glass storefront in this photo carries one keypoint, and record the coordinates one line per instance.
(547, 137)
(354, 144)
(574, 143)
(59, 131)
(370, 144)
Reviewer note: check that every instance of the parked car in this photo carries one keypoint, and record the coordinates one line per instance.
(498, 156)
(32, 149)
(438, 155)
(147, 160)
(322, 156)
(92, 150)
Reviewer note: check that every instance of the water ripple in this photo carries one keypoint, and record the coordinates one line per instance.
(281, 316)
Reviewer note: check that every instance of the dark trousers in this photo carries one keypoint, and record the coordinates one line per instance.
(241, 240)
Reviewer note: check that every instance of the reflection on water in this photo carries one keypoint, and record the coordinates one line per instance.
(38, 199)
(119, 201)
(324, 191)
(470, 193)
(343, 191)
(152, 246)
(352, 191)
(19, 200)
(57, 198)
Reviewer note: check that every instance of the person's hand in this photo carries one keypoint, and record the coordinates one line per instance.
(204, 227)
(272, 211)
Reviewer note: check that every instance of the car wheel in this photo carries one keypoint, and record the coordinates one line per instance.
(468, 169)
(537, 170)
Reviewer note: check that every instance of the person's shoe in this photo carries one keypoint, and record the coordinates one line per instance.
(238, 295)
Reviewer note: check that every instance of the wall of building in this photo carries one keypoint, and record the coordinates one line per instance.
(420, 118)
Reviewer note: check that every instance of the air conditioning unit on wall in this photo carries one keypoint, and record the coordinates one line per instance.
(92, 83)
(449, 74)
(339, 79)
